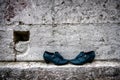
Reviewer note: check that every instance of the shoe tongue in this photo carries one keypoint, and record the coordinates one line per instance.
(58, 54)
(81, 53)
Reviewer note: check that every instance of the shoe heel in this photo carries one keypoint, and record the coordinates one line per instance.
(91, 60)
(46, 61)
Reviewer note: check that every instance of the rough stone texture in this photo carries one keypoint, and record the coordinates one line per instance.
(40, 71)
(21, 47)
(67, 26)
(87, 11)
(69, 40)
(29, 27)
(102, 38)
(6, 44)
(40, 38)
(2, 7)
(26, 11)
(59, 11)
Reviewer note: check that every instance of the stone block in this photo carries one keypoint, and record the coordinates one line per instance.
(87, 11)
(28, 11)
(70, 40)
(40, 71)
(2, 8)
(6, 44)
(104, 39)
(59, 11)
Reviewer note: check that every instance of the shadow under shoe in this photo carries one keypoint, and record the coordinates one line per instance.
(83, 57)
(55, 58)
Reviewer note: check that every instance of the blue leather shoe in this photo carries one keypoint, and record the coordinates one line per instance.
(83, 57)
(55, 58)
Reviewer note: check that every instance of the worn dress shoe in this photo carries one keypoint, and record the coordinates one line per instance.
(55, 58)
(83, 57)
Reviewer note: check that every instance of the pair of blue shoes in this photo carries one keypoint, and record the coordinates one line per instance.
(57, 59)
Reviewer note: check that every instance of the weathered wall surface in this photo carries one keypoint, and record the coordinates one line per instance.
(6, 44)
(67, 26)
(38, 71)
(60, 11)
(29, 27)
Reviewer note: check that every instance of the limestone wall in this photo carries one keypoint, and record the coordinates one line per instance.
(29, 27)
